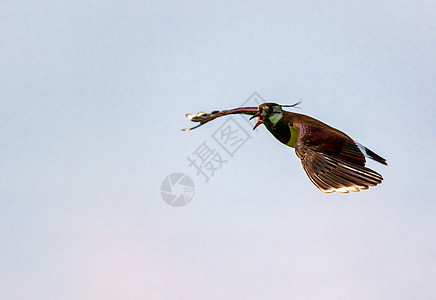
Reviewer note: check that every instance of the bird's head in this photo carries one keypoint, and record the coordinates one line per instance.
(268, 112)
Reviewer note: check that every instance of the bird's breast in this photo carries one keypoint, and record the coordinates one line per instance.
(293, 138)
(284, 132)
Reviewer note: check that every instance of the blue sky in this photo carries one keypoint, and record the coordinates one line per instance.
(93, 97)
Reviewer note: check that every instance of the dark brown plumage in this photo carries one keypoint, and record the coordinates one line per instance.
(332, 160)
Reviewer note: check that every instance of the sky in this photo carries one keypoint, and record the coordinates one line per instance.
(93, 97)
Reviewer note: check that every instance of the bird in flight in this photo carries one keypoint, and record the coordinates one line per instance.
(332, 160)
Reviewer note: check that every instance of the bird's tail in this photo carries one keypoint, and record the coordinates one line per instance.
(371, 154)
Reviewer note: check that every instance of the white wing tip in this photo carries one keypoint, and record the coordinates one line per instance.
(345, 189)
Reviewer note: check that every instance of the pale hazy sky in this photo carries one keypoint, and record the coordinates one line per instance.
(93, 97)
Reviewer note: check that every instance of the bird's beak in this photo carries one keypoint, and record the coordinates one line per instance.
(259, 121)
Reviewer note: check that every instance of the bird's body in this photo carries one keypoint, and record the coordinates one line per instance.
(333, 161)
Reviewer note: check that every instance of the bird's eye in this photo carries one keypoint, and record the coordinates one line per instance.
(270, 110)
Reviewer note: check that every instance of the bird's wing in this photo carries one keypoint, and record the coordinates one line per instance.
(333, 161)
(203, 117)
